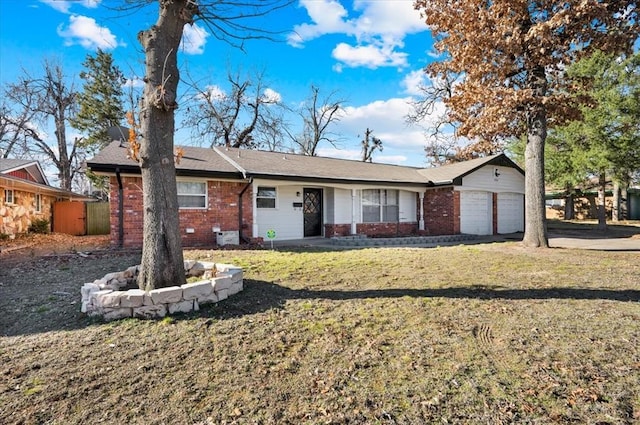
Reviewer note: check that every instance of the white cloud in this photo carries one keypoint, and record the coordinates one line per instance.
(328, 17)
(331, 152)
(64, 5)
(379, 30)
(86, 32)
(413, 81)
(402, 144)
(370, 56)
(193, 39)
(356, 155)
(135, 82)
(214, 93)
(271, 96)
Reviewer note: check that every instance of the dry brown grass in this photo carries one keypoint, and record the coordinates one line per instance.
(468, 334)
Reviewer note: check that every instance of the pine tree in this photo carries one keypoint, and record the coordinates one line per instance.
(100, 102)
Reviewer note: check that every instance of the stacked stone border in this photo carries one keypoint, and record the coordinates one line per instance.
(105, 297)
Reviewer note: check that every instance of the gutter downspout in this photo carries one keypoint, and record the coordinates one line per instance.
(120, 210)
(235, 165)
(244, 189)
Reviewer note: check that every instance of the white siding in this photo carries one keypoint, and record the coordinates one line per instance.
(508, 180)
(329, 204)
(407, 207)
(342, 206)
(286, 220)
(510, 212)
(476, 212)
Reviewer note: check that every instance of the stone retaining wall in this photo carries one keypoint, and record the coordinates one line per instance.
(105, 297)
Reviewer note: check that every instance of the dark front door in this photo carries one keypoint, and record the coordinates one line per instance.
(312, 212)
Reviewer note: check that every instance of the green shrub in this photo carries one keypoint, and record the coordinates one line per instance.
(39, 226)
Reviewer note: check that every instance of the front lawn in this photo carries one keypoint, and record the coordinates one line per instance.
(468, 334)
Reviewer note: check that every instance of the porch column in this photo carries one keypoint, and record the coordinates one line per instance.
(421, 218)
(354, 200)
(254, 211)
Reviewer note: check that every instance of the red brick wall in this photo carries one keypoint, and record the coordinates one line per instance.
(372, 229)
(331, 230)
(387, 229)
(442, 212)
(222, 212)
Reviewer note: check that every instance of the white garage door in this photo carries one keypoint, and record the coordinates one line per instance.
(510, 212)
(476, 213)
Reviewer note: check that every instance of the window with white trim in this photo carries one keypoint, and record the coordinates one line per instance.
(266, 197)
(38, 202)
(192, 195)
(380, 206)
(9, 196)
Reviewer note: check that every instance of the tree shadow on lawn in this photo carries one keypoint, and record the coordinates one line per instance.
(259, 296)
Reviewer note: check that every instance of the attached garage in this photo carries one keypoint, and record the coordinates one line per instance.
(510, 212)
(476, 212)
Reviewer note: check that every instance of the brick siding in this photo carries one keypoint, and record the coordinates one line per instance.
(222, 211)
(442, 212)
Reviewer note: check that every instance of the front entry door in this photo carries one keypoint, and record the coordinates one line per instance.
(312, 212)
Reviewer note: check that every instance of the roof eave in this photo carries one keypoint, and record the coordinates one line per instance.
(316, 179)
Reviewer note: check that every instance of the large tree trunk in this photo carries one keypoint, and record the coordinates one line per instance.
(569, 207)
(162, 260)
(602, 212)
(535, 227)
(615, 209)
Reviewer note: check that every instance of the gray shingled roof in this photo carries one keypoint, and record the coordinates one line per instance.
(261, 163)
(194, 160)
(239, 163)
(11, 163)
(448, 173)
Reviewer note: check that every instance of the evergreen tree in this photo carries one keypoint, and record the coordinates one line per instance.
(100, 102)
(605, 141)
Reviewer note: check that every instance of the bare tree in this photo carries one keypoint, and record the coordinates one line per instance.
(229, 20)
(370, 144)
(237, 118)
(51, 98)
(17, 128)
(429, 111)
(317, 116)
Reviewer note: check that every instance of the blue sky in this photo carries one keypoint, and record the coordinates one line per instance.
(370, 53)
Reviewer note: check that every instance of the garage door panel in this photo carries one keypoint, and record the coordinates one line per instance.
(510, 213)
(476, 213)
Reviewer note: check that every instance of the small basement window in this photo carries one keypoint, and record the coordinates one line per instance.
(9, 197)
(266, 197)
(192, 195)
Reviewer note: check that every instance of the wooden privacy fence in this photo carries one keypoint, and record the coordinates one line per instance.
(81, 218)
(98, 218)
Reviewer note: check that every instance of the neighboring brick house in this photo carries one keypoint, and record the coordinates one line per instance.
(25, 196)
(248, 193)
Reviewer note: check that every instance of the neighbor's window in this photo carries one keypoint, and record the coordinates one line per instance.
(266, 197)
(380, 205)
(38, 202)
(192, 194)
(8, 196)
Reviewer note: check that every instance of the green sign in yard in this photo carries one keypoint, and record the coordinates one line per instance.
(271, 234)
